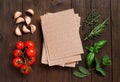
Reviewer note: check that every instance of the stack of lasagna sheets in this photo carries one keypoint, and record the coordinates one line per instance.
(62, 43)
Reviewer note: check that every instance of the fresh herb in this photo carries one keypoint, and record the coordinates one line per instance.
(97, 63)
(101, 71)
(90, 58)
(99, 68)
(78, 74)
(97, 46)
(96, 31)
(81, 73)
(83, 70)
(93, 50)
(91, 19)
(106, 61)
(90, 48)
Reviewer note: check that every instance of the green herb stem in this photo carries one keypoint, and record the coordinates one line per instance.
(96, 31)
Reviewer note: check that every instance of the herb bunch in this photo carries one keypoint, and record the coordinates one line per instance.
(97, 29)
(82, 72)
(91, 59)
(92, 20)
(94, 50)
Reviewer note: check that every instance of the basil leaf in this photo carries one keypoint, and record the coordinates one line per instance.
(101, 71)
(90, 58)
(78, 74)
(106, 60)
(83, 70)
(97, 63)
(99, 45)
(90, 48)
(96, 50)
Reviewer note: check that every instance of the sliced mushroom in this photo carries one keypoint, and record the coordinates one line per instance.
(18, 32)
(25, 29)
(30, 11)
(19, 20)
(17, 14)
(28, 20)
(33, 28)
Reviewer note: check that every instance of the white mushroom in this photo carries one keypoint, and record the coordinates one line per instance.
(28, 20)
(30, 11)
(18, 32)
(19, 20)
(33, 28)
(17, 14)
(25, 29)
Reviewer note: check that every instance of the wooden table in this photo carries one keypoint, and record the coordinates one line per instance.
(43, 73)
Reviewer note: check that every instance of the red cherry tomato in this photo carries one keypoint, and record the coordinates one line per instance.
(30, 44)
(17, 52)
(20, 45)
(31, 60)
(25, 69)
(17, 62)
(31, 52)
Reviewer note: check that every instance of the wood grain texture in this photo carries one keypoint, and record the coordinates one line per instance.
(103, 7)
(43, 73)
(83, 7)
(37, 69)
(115, 18)
(7, 40)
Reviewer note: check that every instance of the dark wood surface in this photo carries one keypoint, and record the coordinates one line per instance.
(43, 73)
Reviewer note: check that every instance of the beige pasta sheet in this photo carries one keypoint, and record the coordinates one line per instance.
(62, 43)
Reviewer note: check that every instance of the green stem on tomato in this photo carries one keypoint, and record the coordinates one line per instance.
(23, 56)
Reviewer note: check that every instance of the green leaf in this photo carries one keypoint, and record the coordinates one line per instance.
(98, 68)
(90, 58)
(90, 48)
(78, 74)
(83, 70)
(98, 45)
(96, 50)
(101, 71)
(97, 63)
(106, 60)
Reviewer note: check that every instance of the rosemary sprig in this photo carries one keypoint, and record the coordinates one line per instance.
(96, 31)
(92, 18)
